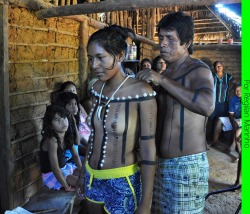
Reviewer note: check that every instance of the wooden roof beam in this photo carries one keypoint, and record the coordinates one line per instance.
(120, 5)
(210, 32)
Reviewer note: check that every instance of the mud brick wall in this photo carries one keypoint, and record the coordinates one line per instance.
(229, 55)
(146, 51)
(42, 53)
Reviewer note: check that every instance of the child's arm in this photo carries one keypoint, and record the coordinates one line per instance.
(76, 157)
(52, 149)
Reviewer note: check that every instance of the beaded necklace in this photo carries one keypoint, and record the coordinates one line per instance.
(102, 105)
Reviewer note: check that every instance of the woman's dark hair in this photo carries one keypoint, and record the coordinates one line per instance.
(216, 62)
(146, 60)
(48, 131)
(182, 23)
(112, 39)
(64, 98)
(65, 84)
(155, 61)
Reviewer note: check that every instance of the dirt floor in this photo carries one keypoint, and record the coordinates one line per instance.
(222, 175)
(223, 170)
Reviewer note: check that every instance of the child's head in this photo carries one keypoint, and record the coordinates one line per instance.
(68, 86)
(237, 89)
(69, 101)
(55, 120)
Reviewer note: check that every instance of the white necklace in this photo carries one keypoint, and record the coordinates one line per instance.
(102, 105)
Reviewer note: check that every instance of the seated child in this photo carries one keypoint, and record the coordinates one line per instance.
(56, 138)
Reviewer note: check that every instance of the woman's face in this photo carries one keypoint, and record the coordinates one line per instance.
(60, 124)
(72, 107)
(219, 67)
(101, 62)
(161, 65)
(70, 88)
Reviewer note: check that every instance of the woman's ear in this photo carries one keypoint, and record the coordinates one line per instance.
(121, 56)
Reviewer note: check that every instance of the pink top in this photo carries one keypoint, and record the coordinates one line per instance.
(84, 129)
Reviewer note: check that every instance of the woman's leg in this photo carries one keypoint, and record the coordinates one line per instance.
(95, 208)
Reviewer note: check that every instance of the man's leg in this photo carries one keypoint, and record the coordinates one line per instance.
(217, 131)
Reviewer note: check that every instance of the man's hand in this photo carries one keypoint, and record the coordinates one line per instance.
(150, 76)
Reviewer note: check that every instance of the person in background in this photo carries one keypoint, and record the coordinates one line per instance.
(185, 100)
(70, 102)
(232, 122)
(123, 115)
(146, 63)
(223, 83)
(159, 65)
(56, 138)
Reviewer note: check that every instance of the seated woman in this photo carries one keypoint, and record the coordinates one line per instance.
(233, 122)
(56, 138)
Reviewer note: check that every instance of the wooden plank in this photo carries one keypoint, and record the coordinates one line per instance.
(6, 198)
(118, 5)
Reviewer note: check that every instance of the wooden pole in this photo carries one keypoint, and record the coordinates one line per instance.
(118, 5)
(83, 59)
(6, 184)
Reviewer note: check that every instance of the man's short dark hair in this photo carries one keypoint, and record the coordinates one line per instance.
(182, 23)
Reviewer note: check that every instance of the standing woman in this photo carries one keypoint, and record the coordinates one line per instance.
(223, 83)
(123, 114)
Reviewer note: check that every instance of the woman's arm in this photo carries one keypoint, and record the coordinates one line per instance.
(75, 128)
(76, 157)
(148, 110)
(52, 150)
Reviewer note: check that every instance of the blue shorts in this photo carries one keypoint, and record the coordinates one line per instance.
(181, 185)
(119, 189)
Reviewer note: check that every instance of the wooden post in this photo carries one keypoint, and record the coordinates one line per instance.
(56, 2)
(62, 2)
(143, 22)
(67, 2)
(83, 59)
(153, 23)
(125, 16)
(6, 177)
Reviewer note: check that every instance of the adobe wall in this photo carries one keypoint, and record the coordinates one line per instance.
(229, 55)
(42, 53)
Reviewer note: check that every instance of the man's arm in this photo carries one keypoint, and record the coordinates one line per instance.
(198, 97)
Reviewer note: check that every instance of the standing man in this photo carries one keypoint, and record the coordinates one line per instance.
(185, 101)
